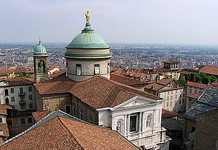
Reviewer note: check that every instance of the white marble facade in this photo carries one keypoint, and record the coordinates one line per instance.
(138, 120)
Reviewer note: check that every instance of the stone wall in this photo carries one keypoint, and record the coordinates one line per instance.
(207, 131)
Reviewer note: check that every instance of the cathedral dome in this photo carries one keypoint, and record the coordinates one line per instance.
(88, 39)
(40, 49)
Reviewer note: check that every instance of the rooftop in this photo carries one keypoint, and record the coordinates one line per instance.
(59, 130)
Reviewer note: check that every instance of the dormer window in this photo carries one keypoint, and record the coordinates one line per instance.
(78, 69)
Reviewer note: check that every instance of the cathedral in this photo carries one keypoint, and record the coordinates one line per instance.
(86, 92)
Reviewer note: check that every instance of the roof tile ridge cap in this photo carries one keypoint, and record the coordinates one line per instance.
(28, 130)
(123, 85)
(64, 126)
(107, 96)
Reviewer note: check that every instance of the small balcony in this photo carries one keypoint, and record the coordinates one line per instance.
(21, 93)
(22, 101)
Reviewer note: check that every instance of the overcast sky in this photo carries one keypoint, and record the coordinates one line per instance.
(120, 21)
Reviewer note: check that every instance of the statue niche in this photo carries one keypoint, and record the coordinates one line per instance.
(41, 66)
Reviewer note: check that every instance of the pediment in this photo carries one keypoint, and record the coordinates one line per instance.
(134, 102)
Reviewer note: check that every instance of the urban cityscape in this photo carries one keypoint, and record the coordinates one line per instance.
(129, 93)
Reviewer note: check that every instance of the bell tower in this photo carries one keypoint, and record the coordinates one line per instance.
(40, 63)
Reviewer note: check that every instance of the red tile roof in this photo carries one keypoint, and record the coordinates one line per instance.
(153, 86)
(18, 81)
(99, 92)
(24, 69)
(39, 115)
(165, 81)
(57, 73)
(193, 96)
(195, 84)
(120, 71)
(4, 132)
(59, 86)
(215, 84)
(168, 114)
(61, 133)
(3, 109)
(136, 74)
(208, 69)
(6, 72)
(125, 80)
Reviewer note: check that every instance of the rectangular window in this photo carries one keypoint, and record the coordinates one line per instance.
(12, 99)
(171, 103)
(190, 91)
(30, 120)
(97, 69)
(67, 109)
(30, 97)
(31, 105)
(73, 109)
(176, 96)
(21, 90)
(167, 104)
(133, 123)
(22, 106)
(171, 97)
(12, 90)
(22, 120)
(30, 89)
(108, 68)
(78, 69)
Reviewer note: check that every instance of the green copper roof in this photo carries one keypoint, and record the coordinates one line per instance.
(40, 49)
(88, 39)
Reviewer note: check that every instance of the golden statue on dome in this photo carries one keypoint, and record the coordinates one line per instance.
(87, 16)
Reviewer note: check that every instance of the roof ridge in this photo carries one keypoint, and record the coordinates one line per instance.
(107, 96)
(64, 126)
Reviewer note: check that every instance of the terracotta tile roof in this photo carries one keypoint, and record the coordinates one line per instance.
(39, 115)
(168, 114)
(59, 86)
(99, 92)
(215, 84)
(195, 84)
(7, 71)
(193, 96)
(165, 81)
(62, 133)
(171, 62)
(208, 69)
(4, 132)
(153, 86)
(24, 69)
(3, 109)
(120, 71)
(18, 81)
(136, 74)
(125, 80)
(57, 73)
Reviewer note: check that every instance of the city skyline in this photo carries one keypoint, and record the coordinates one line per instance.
(164, 22)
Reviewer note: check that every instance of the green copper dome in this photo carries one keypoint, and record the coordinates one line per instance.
(40, 49)
(87, 39)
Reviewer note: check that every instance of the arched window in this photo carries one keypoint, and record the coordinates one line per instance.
(7, 101)
(6, 92)
(148, 121)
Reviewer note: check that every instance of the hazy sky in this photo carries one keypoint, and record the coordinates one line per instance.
(120, 21)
